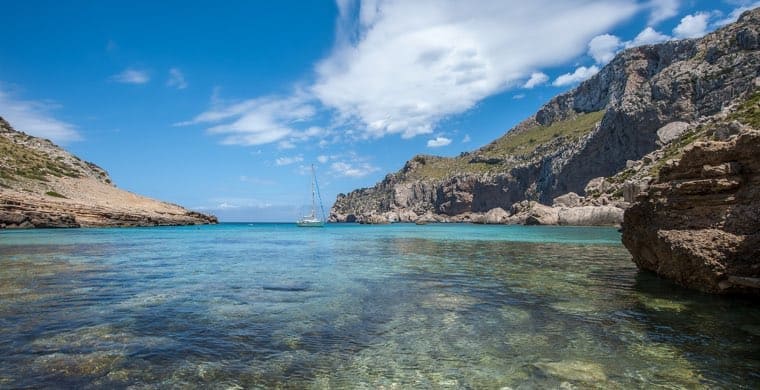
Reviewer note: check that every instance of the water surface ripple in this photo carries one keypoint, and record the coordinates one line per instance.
(395, 306)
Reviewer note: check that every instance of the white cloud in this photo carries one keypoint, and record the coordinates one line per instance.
(354, 170)
(322, 159)
(581, 73)
(409, 64)
(34, 118)
(437, 142)
(259, 121)
(518, 96)
(692, 26)
(176, 79)
(536, 79)
(734, 15)
(662, 10)
(603, 48)
(131, 76)
(288, 160)
(648, 36)
(466, 139)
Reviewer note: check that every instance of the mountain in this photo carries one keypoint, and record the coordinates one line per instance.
(42, 185)
(582, 148)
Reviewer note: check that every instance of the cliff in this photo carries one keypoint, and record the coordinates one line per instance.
(42, 185)
(698, 222)
(643, 100)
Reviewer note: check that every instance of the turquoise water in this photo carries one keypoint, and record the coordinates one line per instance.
(349, 306)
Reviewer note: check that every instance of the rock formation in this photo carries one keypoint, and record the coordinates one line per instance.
(42, 185)
(645, 99)
(699, 222)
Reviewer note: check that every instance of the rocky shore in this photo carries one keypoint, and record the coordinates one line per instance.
(43, 186)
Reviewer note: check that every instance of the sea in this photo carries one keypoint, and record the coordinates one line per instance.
(401, 306)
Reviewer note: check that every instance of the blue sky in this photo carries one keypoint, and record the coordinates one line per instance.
(221, 107)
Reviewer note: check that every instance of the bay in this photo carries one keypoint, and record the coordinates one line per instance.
(350, 306)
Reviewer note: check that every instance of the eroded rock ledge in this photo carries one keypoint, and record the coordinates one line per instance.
(699, 222)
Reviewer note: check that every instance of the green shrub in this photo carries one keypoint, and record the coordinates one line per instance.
(55, 194)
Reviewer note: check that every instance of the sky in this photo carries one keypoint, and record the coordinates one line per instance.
(223, 107)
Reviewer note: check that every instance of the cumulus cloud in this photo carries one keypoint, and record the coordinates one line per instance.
(400, 67)
(581, 73)
(131, 76)
(176, 79)
(648, 36)
(536, 79)
(437, 142)
(603, 48)
(662, 10)
(259, 121)
(692, 26)
(34, 118)
(412, 63)
(352, 169)
(288, 160)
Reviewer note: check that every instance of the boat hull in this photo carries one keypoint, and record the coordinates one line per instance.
(310, 224)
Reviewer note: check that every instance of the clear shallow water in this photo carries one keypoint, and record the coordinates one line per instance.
(394, 306)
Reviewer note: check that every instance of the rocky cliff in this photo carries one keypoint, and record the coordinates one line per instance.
(698, 223)
(643, 100)
(42, 185)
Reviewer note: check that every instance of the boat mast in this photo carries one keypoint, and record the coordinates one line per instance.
(313, 193)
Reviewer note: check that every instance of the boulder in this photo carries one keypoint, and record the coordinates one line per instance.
(496, 216)
(542, 215)
(571, 199)
(666, 134)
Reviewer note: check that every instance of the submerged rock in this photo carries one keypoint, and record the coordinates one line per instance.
(574, 370)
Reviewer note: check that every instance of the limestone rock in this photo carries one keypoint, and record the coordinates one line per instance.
(632, 188)
(571, 199)
(699, 222)
(671, 131)
(542, 215)
(591, 216)
(372, 219)
(496, 216)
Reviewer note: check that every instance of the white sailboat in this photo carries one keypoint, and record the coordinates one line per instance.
(312, 220)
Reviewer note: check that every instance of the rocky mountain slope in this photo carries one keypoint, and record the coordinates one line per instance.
(645, 99)
(42, 185)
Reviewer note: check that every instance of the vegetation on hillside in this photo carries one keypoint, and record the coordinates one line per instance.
(19, 162)
(505, 152)
(749, 111)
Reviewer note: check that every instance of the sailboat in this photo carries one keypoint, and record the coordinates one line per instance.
(312, 220)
